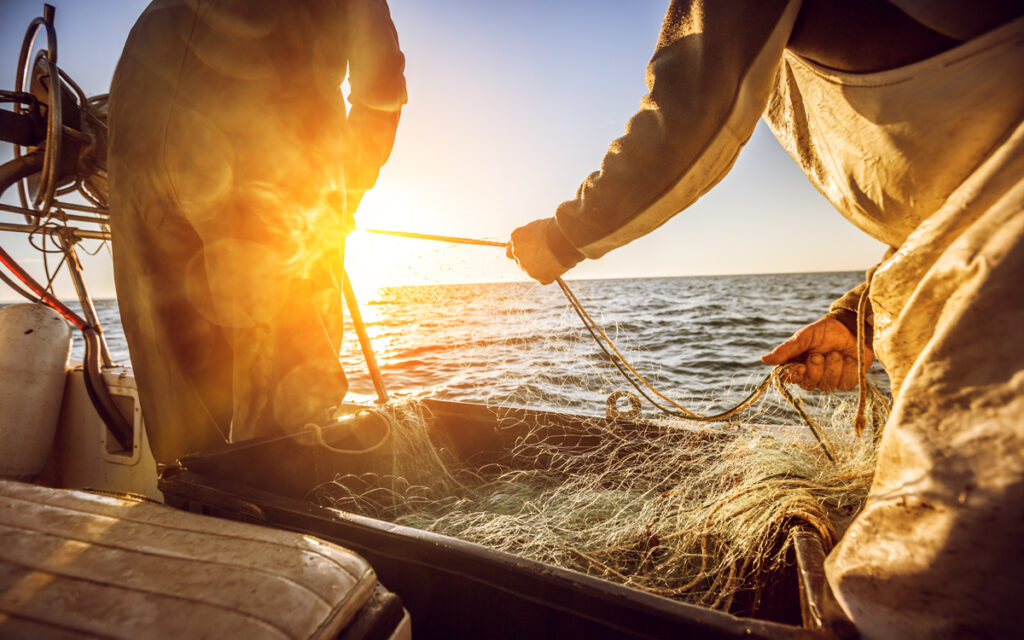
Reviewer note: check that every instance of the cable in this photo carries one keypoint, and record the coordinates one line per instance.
(44, 297)
(17, 289)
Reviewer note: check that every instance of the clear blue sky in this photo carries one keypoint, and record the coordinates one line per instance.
(511, 105)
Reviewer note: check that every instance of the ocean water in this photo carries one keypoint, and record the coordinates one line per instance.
(697, 339)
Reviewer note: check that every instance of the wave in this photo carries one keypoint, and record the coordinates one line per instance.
(518, 343)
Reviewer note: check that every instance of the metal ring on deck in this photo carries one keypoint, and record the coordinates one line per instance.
(613, 412)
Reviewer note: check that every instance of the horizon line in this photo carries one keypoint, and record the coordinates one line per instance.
(6, 301)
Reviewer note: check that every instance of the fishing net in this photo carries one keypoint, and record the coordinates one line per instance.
(702, 512)
(698, 512)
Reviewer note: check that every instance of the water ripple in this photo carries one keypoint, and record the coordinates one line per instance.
(518, 343)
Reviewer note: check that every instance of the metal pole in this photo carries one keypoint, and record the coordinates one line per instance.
(77, 234)
(56, 214)
(80, 207)
(364, 339)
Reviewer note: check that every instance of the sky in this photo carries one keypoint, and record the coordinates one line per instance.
(511, 105)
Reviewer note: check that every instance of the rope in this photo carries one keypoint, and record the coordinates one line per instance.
(436, 238)
(775, 377)
(860, 420)
(683, 412)
(615, 356)
(318, 435)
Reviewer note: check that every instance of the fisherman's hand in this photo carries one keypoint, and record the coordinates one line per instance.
(529, 247)
(825, 353)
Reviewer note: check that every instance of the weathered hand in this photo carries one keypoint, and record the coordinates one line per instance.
(528, 246)
(826, 353)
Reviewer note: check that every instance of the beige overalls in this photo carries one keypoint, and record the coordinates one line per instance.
(233, 166)
(929, 159)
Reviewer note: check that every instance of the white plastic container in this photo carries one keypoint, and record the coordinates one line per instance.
(35, 343)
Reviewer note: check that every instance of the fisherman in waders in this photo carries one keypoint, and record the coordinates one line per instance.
(234, 170)
(908, 115)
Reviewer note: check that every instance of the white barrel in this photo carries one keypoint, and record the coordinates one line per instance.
(35, 343)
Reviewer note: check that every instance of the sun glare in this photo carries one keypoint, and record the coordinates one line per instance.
(375, 261)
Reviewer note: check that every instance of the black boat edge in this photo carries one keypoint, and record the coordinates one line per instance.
(454, 588)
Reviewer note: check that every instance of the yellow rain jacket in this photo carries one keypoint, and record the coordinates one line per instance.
(234, 166)
(928, 158)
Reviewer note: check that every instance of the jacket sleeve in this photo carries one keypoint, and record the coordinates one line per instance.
(377, 82)
(845, 309)
(709, 81)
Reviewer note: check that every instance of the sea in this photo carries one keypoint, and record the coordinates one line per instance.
(696, 339)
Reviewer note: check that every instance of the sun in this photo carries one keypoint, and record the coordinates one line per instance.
(374, 261)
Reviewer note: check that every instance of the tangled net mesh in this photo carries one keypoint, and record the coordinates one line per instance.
(702, 513)
(699, 513)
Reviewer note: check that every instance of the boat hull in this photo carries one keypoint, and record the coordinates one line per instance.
(454, 588)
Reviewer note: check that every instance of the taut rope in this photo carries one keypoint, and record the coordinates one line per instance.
(640, 383)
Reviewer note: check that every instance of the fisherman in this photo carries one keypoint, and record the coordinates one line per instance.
(234, 173)
(907, 116)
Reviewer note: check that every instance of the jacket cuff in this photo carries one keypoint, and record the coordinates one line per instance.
(566, 254)
(849, 320)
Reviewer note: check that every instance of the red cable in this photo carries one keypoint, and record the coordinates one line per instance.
(37, 289)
